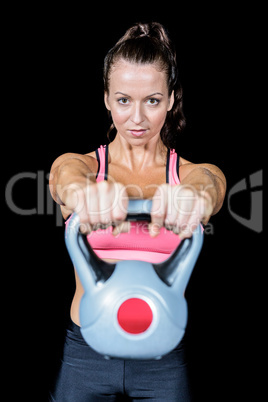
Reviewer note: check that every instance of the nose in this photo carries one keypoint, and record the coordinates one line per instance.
(137, 115)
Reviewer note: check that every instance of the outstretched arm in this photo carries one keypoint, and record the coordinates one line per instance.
(183, 207)
(73, 185)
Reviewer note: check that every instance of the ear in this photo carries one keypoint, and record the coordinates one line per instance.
(171, 101)
(106, 101)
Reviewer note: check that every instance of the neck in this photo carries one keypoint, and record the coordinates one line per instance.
(137, 157)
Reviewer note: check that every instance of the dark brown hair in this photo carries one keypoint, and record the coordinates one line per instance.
(150, 44)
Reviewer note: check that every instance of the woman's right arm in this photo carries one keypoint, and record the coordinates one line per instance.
(73, 185)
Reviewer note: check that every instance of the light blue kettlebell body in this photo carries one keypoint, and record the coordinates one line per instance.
(108, 286)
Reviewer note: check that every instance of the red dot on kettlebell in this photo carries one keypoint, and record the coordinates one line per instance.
(135, 316)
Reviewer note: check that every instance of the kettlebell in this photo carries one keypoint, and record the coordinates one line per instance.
(132, 309)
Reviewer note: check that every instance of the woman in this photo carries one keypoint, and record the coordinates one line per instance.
(144, 98)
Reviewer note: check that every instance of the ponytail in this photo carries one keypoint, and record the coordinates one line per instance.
(150, 44)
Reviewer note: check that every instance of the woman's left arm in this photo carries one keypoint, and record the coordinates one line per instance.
(183, 207)
(208, 180)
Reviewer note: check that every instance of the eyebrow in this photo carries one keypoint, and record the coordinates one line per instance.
(149, 96)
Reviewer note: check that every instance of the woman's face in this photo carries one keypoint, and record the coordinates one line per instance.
(138, 100)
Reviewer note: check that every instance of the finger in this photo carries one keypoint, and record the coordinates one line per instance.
(207, 209)
(158, 211)
(119, 204)
(105, 197)
(186, 212)
(198, 212)
(81, 210)
(186, 230)
(172, 208)
(85, 228)
(92, 203)
(74, 198)
(123, 227)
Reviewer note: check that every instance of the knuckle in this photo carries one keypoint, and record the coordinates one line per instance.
(104, 219)
(119, 216)
(161, 190)
(104, 186)
(186, 193)
(158, 214)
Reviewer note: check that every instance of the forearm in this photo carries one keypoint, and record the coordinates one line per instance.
(208, 183)
(68, 172)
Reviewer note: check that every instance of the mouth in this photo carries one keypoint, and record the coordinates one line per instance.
(138, 133)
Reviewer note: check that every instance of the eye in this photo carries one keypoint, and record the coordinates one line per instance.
(123, 101)
(153, 101)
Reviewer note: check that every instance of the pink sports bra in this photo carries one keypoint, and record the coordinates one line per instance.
(137, 244)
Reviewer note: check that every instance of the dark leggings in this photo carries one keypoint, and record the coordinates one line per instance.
(87, 376)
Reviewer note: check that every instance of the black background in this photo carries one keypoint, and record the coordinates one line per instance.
(54, 104)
